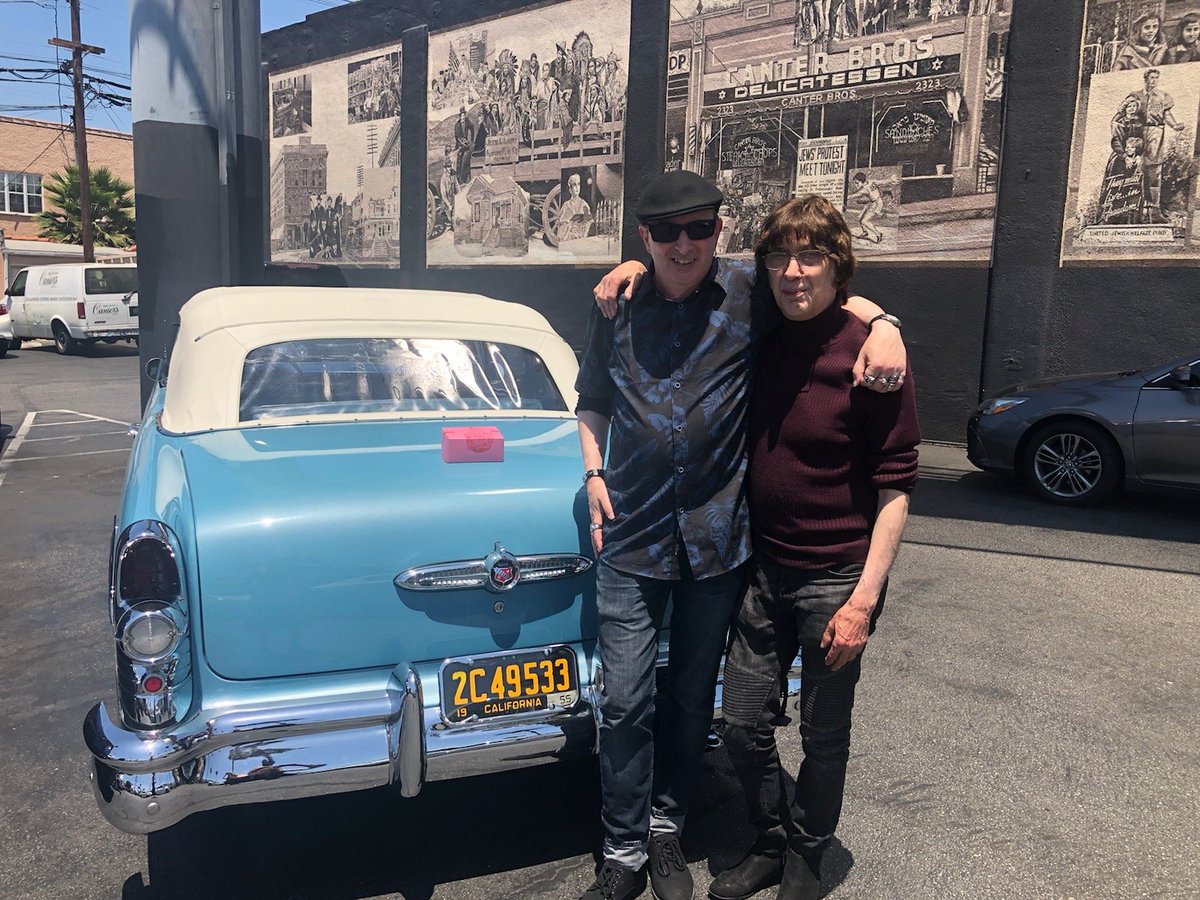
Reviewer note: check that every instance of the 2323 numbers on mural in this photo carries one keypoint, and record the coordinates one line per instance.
(509, 683)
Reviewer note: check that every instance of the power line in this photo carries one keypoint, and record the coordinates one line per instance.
(23, 107)
(56, 62)
(102, 81)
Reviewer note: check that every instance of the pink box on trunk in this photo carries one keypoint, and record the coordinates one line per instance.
(478, 443)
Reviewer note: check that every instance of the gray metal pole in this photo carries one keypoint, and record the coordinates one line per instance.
(197, 151)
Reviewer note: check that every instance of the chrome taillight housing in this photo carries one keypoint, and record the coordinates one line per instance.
(150, 626)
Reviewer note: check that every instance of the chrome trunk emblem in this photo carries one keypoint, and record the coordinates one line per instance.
(502, 569)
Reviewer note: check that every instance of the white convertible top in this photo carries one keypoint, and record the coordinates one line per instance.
(220, 326)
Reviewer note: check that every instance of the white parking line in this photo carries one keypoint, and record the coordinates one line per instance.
(74, 437)
(65, 455)
(87, 417)
(21, 437)
(7, 459)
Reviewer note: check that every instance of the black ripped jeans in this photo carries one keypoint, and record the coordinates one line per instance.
(786, 610)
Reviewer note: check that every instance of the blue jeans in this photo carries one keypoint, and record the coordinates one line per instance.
(784, 610)
(650, 757)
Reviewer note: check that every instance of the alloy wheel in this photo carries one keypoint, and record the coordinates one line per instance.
(1068, 465)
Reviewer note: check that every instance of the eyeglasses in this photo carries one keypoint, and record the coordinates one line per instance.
(778, 260)
(666, 232)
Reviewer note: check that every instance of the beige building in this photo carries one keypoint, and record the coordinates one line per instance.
(31, 150)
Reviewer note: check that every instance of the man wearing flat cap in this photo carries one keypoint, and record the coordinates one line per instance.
(664, 387)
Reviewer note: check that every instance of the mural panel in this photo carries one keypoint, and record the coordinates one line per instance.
(890, 108)
(1132, 188)
(335, 161)
(526, 144)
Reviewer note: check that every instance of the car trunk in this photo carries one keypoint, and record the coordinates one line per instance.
(302, 530)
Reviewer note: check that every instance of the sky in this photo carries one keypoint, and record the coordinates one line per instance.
(26, 25)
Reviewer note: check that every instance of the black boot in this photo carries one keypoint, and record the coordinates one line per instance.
(799, 881)
(761, 868)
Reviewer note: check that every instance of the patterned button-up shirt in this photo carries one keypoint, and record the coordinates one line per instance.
(674, 379)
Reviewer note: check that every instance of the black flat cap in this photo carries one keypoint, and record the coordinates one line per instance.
(676, 193)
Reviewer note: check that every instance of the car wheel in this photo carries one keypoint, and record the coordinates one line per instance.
(14, 344)
(63, 342)
(109, 340)
(1073, 463)
(3, 347)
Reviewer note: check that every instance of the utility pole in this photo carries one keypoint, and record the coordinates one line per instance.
(77, 49)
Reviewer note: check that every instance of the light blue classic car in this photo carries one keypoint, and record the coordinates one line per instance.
(352, 551)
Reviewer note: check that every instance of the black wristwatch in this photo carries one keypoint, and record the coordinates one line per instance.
(886, 317)
(592, 473)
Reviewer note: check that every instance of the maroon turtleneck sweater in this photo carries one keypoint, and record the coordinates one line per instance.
(820, 449)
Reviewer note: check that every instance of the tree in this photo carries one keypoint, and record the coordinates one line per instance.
(112, 208)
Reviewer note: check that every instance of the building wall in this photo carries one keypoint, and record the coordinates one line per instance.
(1044, 319)
(971, 329)
(43, 148)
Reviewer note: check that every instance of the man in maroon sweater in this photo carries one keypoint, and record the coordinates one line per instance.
(830, 471)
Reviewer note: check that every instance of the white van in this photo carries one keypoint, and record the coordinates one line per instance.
(74, 305)
(6, 335)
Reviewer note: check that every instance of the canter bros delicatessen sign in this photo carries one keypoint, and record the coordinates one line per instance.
(906, 63)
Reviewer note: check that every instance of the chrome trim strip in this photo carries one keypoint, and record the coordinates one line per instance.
(474, 573)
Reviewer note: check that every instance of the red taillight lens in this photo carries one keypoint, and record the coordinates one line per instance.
(3, 309)
(152, 684)
(80, 312)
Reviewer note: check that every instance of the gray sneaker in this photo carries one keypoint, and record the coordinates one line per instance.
(615, 882)
(669, 875)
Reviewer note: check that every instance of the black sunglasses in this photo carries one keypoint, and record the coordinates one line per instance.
(666, 232)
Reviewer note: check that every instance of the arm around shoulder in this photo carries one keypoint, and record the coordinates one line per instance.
(883, 358)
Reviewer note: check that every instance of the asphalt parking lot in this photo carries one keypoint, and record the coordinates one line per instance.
(1028, 725)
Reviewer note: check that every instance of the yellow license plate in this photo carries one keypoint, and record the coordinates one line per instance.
(506, 684)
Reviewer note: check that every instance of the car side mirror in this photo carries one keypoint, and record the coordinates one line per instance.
(1185, 378)
(156, 370)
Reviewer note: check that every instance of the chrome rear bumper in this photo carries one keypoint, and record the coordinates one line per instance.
(145, 782)
(111, 331)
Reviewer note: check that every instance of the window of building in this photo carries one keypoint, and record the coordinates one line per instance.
(20, 193)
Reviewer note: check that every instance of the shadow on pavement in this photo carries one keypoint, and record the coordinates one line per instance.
(99, 349)
(377, 842)
(984, 497)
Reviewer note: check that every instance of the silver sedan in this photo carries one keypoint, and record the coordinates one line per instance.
(1078, 439)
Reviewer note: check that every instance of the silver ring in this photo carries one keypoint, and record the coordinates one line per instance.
(595, 526)
(868, 379)
(891, 379)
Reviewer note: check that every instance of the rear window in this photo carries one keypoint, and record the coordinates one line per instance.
(360, 375)
(102, 280)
